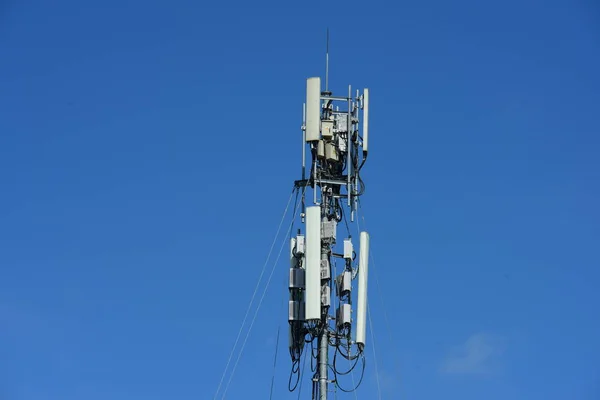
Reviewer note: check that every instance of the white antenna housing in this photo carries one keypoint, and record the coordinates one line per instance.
(363, 275)
(313, 109)
(313, 263)
(366, 120)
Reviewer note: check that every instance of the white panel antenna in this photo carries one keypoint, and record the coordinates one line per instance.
(363, 275)
(313, 109)
(313, 263)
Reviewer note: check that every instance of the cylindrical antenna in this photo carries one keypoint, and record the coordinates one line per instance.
(363, 275)
(366, 120)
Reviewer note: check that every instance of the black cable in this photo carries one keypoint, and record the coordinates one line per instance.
(362, 375)
(301, 376)
(292, 373)
(362, 185)
(336, 370)
(364, 160)
(346, 221)
(313, 368)
(349, 356)
(352, 366)
(295, 352)
(339, 211)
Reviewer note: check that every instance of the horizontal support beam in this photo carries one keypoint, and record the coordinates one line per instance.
(333, 182)
(335, 98)
(308, 182)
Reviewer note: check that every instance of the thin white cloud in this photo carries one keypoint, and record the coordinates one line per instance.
(478, 355)
(387, 380)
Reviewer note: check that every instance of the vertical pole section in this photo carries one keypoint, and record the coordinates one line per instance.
(324, 337)
(323, 361)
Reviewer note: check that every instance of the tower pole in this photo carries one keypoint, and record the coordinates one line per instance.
(320, 305)
(323, 341)
(323, 362)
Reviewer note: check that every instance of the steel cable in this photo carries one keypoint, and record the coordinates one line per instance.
(262, 296)
(262, 272)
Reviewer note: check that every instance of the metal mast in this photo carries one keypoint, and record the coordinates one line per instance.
(337, 147)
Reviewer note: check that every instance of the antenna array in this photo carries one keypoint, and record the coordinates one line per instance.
(337, 150)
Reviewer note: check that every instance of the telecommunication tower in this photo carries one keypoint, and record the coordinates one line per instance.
(337, 147)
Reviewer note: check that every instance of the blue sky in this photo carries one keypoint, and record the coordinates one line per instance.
(147, 151)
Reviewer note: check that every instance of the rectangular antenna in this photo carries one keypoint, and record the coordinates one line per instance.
(313, 263)
(313, 109)
(363, 275)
